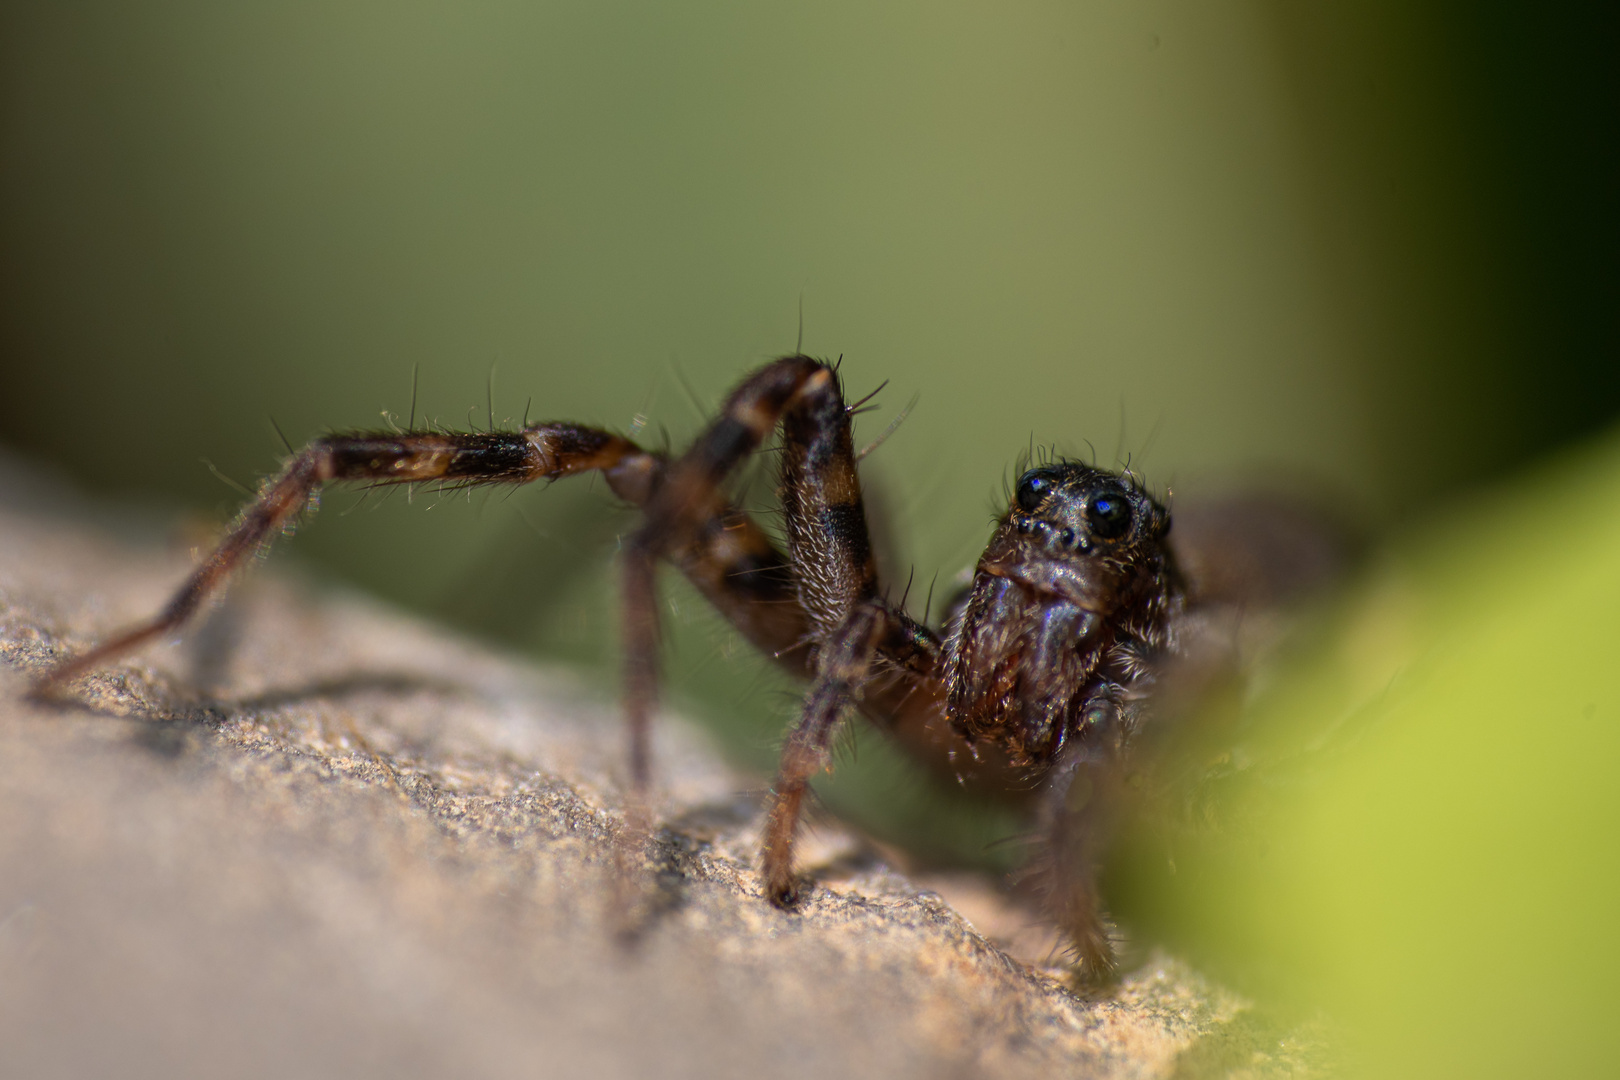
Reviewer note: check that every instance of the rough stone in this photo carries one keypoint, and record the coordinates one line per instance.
(371, 847)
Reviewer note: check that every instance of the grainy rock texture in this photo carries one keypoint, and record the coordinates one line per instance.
(372, 848)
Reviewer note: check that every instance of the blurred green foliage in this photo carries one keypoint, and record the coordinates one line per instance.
(1414, 828)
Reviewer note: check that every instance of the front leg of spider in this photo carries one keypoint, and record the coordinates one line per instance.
(1078, 801)
(845, 665)
(832, 571)
(683, 509)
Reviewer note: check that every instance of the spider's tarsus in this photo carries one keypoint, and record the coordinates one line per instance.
(787, 895)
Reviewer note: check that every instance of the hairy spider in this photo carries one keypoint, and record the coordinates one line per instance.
(1044, 663)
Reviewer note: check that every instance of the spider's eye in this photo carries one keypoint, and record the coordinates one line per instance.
(1033, 488)
(1110, 515)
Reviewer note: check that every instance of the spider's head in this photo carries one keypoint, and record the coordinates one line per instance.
(1084, 536)
(1067, 510)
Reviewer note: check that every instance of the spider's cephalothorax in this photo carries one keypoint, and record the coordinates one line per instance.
(1069, 610)
(1072, 609)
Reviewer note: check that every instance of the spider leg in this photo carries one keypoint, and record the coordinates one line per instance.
(379, 457)
(834, 566)
(846, 661)
(730, 558)
(1075, 812)
(676, 514)
(851, 631)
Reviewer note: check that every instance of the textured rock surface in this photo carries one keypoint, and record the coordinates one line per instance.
(371, 846)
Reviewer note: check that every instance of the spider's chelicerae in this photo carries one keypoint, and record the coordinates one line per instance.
(1045, 661)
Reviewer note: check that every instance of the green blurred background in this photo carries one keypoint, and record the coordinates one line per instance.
(1370, 248)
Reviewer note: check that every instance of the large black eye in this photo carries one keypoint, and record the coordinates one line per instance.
(1109, 514)
(1033, 488)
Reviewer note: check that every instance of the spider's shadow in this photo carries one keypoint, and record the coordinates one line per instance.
(166, 717)
(391, 683)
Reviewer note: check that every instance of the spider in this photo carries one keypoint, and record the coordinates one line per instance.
(1043, 665)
